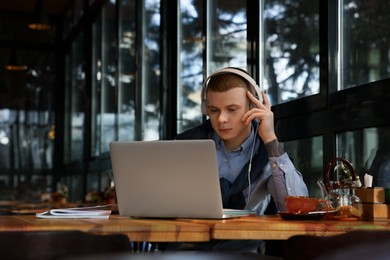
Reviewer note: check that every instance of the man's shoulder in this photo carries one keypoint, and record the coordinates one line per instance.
(201, 131)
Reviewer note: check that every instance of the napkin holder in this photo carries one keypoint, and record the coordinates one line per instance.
(371, 195)
(373, 203)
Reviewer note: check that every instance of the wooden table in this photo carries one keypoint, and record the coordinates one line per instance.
(275, 228)
(192, 230)
(152, 230)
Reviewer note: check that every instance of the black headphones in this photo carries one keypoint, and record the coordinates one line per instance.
(254, 88)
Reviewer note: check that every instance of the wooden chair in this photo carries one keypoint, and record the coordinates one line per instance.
(332, 247)
(44, 245)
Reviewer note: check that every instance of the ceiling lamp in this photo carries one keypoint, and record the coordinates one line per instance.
(14, 63)
(39, 20)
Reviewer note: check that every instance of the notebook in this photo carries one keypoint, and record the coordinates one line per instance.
(168, 179)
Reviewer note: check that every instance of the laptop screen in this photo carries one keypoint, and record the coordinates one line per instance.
(170, 178)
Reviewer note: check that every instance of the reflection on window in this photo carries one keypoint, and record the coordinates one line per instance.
(26, 139)
(289, 65)
(96, 86)
(127, 70)
(226, 35)
(291, 49)
(226, 41)
(149, 110)
(107, 115)
(72, 16)
(307, 156)
(365, 42)
(75, 93)
(190, 65)
(104, 67)
(27, 123)
(369, 152)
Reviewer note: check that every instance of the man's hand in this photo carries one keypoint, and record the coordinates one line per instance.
(262, 112)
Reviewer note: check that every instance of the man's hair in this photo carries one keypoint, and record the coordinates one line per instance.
(225, 82)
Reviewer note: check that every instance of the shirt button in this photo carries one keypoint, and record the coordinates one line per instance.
(281, 165)
(289, 188)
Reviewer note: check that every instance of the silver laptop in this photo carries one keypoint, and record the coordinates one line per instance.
(167, 179)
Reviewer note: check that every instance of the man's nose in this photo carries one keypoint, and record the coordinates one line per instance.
(222, 117)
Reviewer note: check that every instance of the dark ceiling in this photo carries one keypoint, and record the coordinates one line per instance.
(33, 48)
(15, 15)
(53, 7)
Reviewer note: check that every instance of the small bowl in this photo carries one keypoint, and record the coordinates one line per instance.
(301, 205)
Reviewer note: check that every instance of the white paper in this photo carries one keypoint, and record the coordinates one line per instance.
(81, 212)
(367, 180)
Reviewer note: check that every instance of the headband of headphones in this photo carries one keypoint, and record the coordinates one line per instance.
(254, 88)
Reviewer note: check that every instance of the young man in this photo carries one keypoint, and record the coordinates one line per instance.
(241, 124)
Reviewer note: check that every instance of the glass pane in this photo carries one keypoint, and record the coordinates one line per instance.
(191, 70)
(104, 69)
(291, 49)
(109, 70)
(96, 86)
(36, 149)
(75, 93)
(365, 42)
(127, 70)
(149, 110)
(226, 34)
(78, 10)
(307, 157)
(6, 126)
(369, 152)
(72, 16)
(67, 22)
(27, 114)
(67, 93)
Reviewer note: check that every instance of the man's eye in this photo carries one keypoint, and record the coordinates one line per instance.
(213, 111)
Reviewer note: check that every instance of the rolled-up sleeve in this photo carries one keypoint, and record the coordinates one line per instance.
(285, 180)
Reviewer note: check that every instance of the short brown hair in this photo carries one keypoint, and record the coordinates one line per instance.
(224, 82)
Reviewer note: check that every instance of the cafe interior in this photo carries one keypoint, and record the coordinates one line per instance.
(78, 74)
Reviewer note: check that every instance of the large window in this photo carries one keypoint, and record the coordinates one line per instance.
(190, 67)
(226, 35)
(223, 44)
(288, 50)
(148, 102)
(104, 79)
(116, 77)
(307, 155)
(369, 152)
(364, 42)
(291, 57)
(125, 74)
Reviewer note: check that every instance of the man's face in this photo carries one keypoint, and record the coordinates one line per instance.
(226, 110)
